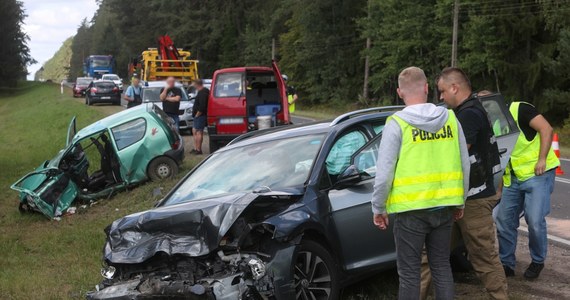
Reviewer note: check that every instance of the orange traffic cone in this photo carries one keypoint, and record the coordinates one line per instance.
(556, 148)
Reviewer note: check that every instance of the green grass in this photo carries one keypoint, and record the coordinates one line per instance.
(44, 259)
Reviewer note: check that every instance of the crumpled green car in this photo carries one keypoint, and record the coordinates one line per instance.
(107, 156)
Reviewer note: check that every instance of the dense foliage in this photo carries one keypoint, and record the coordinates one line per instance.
(518, 47)
(14, 51)
(56, 68)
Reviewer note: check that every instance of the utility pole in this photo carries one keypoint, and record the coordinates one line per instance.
(273, 49)
(455, 30)
(366, 63)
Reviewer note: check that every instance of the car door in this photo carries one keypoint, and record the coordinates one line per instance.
(71, 131)
(504, 127)
(362, 244)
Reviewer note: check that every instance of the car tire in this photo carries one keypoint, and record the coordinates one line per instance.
(162, 168)
(315, 273)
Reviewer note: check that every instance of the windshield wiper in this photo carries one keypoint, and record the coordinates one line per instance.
(261, 190)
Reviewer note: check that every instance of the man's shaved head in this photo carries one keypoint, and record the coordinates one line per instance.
(412, 85)
(454, 86)
(455, 76)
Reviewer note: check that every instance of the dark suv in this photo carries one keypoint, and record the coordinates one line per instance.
(103, 91)
(282, 213)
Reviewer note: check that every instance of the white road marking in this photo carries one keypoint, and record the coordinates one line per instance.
(565, 159)
(563, 180)
(549, 236)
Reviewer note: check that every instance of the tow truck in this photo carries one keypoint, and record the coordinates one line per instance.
(157, 64)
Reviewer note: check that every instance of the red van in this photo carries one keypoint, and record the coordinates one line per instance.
(244, 99)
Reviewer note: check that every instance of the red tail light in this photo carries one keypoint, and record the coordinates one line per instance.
(115, 90)
(93, 90)
(176, 145)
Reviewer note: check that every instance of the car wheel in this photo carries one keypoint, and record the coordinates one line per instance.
(315, 272)
(161, 168)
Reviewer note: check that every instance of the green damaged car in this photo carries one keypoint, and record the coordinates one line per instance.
(107, 156)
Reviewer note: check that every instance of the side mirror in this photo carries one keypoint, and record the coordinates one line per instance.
(347, 178)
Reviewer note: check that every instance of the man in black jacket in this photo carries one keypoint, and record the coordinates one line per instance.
(199, 112)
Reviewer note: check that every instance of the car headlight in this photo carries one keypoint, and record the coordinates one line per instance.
(229, 121)
(189, 111)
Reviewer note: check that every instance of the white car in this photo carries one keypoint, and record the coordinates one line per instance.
(114, 78)
(150, 94)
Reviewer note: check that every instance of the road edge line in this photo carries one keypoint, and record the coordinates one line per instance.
(558, 241)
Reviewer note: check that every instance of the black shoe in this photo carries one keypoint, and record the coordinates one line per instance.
(198, 152)
(508, 271)
(193, 151)
(533, 270)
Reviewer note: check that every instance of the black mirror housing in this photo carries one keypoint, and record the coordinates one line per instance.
(348, 177)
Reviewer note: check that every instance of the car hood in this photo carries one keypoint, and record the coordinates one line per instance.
(194, 228)
(183, 104)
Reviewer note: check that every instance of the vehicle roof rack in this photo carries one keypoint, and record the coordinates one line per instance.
(357, 113)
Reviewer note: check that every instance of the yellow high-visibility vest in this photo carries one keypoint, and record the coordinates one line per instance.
(525, 154)
(428, 172)
(291, 104)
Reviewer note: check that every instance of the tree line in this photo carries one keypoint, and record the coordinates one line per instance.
(14, 51)
(518, 47)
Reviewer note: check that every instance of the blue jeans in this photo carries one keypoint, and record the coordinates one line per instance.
(413, 230)
(176, 119)
(533, 197)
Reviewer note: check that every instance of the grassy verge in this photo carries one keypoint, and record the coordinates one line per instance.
(47, 259)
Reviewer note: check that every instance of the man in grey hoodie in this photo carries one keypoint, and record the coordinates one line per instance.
(422, 177)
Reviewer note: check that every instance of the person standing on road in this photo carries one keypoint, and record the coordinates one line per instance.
(477, 226)
(133, 93)
(292, 96)
(422, 175)
(528, 183)
(199, 112)
(170, 96)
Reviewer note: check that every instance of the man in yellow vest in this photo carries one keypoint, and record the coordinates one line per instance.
(292, 96)
(528, 182)
(422, 177)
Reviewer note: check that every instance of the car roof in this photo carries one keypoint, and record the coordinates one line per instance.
(318, 127)
(242, 69)
(113, 120)
(103, 81)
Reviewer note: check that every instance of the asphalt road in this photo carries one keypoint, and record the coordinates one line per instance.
(561, 195)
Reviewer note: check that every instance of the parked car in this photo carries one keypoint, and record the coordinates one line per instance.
(107, 156)
(151, 95)
(80, 86)
(282, 212)
(114, 78)
(103, 91)
(245, 99)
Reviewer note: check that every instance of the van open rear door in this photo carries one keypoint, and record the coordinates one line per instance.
(283, 92)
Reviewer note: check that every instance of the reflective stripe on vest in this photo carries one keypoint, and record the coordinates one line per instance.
(291, 104)
(429, 172)
(525, 154)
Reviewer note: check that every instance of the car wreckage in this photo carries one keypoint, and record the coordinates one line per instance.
(124, 149)
(282, 213)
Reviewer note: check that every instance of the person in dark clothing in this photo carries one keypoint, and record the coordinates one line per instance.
(477, 226)
(170, 96)
(199, 112)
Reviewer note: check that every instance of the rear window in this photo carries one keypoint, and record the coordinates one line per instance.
(83, 81)
(111, 77)
(228, 85)
(106, 85)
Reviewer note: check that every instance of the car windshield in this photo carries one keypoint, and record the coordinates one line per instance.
(275, 165)
(111, 77)
(152, 94)
(101, 62)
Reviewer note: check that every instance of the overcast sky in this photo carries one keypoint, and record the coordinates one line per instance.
(50, 22)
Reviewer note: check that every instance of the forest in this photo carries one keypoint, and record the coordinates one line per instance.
(518, 47)
(14, 51)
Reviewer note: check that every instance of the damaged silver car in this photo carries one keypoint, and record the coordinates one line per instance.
(282, 213)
